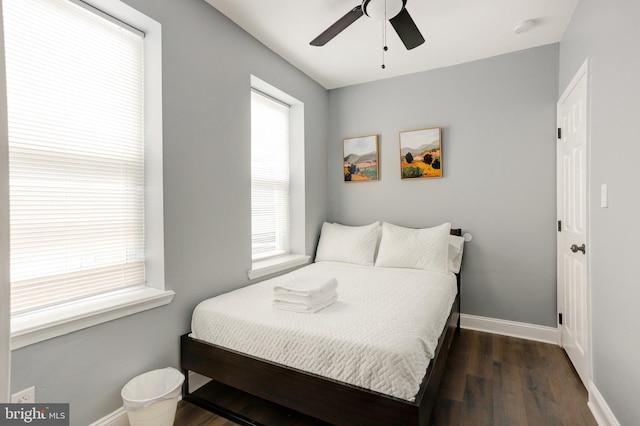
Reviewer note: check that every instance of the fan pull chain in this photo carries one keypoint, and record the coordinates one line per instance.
(384, 34)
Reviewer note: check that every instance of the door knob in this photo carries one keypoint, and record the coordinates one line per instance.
(575, 248)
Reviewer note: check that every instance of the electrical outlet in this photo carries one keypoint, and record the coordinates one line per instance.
(26, 396)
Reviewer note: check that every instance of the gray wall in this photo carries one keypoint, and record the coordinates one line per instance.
(498, 121)
(608, 33)
(207, 61)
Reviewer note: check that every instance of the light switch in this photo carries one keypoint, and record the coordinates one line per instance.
(603, 196)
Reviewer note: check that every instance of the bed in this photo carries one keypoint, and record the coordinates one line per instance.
(353, 372)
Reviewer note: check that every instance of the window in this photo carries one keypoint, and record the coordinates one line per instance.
(269, 176)
(84, 157)
(278, 230)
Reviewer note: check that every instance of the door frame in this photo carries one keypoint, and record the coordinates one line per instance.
(583, 72)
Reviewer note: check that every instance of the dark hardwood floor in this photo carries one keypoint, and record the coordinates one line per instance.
(489, 380)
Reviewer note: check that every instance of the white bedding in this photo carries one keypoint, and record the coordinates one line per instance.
(380, 335)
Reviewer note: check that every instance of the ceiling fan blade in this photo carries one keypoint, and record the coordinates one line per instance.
(407, 29)
(338, 27)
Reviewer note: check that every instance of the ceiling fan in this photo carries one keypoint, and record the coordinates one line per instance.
(392, 10)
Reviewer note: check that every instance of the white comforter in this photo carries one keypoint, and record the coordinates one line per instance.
(380, 335)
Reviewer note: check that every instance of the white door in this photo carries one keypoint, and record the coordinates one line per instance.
(572, 248)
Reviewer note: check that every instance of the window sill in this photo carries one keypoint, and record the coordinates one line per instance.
(33, 327)
(274, 265)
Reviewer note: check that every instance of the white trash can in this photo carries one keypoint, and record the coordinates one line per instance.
(151, 399)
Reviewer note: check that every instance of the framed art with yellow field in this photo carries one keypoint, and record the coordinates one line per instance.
(360, 159)
(421, 153)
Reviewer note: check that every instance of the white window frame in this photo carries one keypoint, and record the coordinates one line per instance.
(33, 327)
(269, 176)
(297, 234)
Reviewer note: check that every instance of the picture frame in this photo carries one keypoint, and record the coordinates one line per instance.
(360, 159)
(421, 153)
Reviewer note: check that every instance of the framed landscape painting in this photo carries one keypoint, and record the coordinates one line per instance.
(360, 158)
(421, 153)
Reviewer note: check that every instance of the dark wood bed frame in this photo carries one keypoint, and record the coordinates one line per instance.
(324, 399)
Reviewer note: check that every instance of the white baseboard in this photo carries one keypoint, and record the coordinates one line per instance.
(510, 328)
(116, 418)
(600, 409)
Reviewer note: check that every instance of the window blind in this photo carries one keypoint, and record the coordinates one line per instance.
(269, 176)
(76, 153)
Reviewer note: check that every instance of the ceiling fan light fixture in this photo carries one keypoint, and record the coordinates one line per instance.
(393, 11)
(376, 8)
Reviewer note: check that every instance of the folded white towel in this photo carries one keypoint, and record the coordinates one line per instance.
(301, 308)
(307, 287)
(306, 301)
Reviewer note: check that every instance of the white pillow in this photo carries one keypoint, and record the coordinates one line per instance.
(349, 244)
(456, 245)
(425, 248)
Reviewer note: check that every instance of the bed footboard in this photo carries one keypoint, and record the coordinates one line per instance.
(324, 399)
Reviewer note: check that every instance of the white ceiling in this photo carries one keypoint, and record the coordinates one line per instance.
(456, 31)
